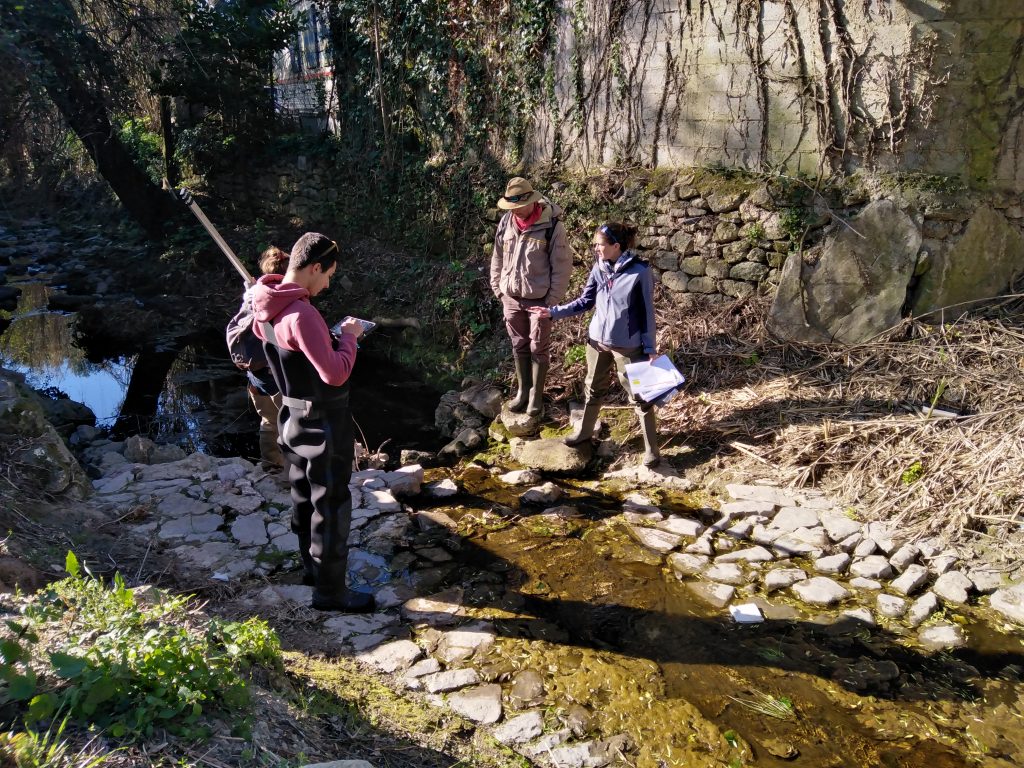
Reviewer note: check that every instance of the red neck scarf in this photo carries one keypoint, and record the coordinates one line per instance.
(523, 224)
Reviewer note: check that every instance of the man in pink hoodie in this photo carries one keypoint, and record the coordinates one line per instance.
(311, 367)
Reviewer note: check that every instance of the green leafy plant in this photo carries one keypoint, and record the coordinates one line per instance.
(913, 473)
(577, 353)
(133, 665)
(49, 749)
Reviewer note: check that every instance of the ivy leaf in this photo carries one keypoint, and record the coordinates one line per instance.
(11, 651)
(102, 690)
(42, 707)
(21, 687)
(67, 666)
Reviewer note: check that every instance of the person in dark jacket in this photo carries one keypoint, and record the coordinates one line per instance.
(620, 290)
(312, 367)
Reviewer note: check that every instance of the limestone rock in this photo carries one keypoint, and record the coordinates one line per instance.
(520, 729)
(890, 606)
(481, 704)
(922, 608)
(953, 587)
(941, 636)
(820, 591)
(392, 657)
(912, 579)
(872, 567)
(552, 455)
(687, 565)
(717, 595)
(545, 494)
(858, 284)
(983, 263)
(1010, 602)
(780, 578)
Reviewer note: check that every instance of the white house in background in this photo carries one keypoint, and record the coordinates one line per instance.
(304, 73)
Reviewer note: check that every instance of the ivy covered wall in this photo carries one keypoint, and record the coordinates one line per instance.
(819, 86)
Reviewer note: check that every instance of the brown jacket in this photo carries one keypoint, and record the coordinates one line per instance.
(525, 266)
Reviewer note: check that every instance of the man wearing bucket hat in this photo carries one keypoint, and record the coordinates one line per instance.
(530, 267)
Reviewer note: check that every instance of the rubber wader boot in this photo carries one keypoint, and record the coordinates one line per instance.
(649, 429)
(536, 404)
(270, 451)
(524, 378)
(309, 567)
(585, 430)
(331, 594)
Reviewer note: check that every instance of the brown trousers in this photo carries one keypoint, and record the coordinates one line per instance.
(529, 333)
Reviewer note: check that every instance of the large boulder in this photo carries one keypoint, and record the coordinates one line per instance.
(982, 264)
(32, 448)
(853, 286)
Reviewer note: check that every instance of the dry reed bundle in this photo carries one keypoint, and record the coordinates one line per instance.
(921, 425)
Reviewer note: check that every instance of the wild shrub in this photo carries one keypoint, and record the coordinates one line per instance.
(129, 664)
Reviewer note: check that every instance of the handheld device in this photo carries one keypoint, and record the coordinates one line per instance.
(368, 325)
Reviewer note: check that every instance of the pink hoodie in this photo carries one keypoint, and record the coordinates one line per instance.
(299, 327)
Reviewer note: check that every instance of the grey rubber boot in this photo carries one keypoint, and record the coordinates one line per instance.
(585, 430)
(536, 405)
(649, 429)
(524, 378)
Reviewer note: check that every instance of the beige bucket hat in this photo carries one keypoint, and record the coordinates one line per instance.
(518, 193)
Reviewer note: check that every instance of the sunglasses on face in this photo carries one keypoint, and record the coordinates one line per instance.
(517, 198)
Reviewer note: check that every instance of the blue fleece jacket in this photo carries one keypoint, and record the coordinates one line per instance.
(622, 296)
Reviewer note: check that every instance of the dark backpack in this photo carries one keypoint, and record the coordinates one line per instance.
(245, 349)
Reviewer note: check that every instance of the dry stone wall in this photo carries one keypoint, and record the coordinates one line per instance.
(808, 85)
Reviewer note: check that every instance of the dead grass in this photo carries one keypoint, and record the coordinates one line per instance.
(921, 425)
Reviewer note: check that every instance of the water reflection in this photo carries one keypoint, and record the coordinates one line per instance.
(40, 344)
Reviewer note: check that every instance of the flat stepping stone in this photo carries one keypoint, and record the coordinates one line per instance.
(1009, 602)
(911, 580)
(481, 704)
(941, 636)
(890, 606)
(748, 555)
(460, 644)
(872, 567)
(922, 608)
(790, 519)
(839, 527)
(520, 729)
(682, 526)
(716, 595)
(521, 477)
(250, 530)
(904, 557)
(744, 508)
(726, 573)
(768, 493)
(820, 590)
(450, 680)
(833, 563)
(687, 565)
(548, 493)
(865, 548)
(655, 538)
(780, 578)
(392, 657)
(441, 489)
(953, 587)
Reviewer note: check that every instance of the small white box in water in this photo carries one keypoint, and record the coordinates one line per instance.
(748, 613)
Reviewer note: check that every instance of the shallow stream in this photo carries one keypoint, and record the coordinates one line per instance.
(612, 630)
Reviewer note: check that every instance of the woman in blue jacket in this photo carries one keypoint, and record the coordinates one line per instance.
(620, 290)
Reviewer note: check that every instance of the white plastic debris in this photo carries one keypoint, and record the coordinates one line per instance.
(748, 613)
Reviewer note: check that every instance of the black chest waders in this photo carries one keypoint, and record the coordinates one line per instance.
(318, 446)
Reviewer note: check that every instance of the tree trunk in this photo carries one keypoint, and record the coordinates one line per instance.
(71, 54)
